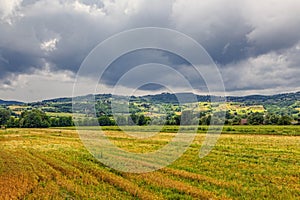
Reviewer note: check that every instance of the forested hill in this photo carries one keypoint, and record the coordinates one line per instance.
(287, 98)
(2, 102)
(274, 109)
(278, 99)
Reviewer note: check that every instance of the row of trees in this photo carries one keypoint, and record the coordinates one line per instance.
(121, 120)
(269, 119)
(256, 118)
(38, 119)
(33, 119)
(259, 118)
(188, 118)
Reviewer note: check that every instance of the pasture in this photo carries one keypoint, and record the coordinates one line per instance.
(259, 162)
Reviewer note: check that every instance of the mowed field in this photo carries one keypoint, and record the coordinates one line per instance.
(54, 164)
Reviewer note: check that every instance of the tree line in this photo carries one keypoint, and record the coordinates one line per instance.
(109, 120)
(190, 118)
(260, 118)
(32, 119)
(38, 119)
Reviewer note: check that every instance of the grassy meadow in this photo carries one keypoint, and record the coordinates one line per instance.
(248, 162)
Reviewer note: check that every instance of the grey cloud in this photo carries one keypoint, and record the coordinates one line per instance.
(78, 29)
(276, 24)
(19, 62)
(234, 33)
(218, 25)
(268, 71)
(139, 57)
(20, 42)
(129, 61)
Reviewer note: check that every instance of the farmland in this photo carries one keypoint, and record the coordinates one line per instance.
(248, 162)
(159, 109)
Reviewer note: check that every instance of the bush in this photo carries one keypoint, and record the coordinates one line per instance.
(105, 121)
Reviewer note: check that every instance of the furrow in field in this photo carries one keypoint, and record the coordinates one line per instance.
(16, 178)
(160, 180)
(198, 177)
(103, 175)
(70, 178)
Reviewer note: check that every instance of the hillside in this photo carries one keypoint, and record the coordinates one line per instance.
(3, 102)
(279, 103)
(155, 105)
(280, 99)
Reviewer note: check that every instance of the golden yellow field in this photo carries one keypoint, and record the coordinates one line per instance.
(54, 164)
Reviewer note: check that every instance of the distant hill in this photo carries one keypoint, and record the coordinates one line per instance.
(175, 98)
(280, 104)
(285, 98)
(258, 99)
(2, 102)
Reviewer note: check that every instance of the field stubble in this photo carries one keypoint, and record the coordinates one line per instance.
(54, 164)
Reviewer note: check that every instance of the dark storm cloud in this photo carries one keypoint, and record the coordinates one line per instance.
(21, 42)
(245, 38)
(17, 62)
(152, 87)
(129, 61)
(139, 57)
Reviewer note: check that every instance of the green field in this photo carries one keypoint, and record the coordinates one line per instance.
(245, 129)
(248, 162)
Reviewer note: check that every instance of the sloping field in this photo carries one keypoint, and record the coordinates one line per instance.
(54, 164)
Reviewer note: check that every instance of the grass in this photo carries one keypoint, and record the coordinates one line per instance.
(240, 129)
(64, 114)
(54, 164)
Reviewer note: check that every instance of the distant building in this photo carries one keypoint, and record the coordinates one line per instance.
(244, 121)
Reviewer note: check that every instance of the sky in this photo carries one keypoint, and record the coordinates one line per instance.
(255, 44)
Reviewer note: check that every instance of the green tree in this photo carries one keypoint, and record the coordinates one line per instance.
(256, 118)
(272, 119)
(133, 120)
(4, 115)
(65, 121)
(54, 121)
(236, 120)
(228, 115)
(61, 121)
(177, 119)
(205, 120)
(13, 122)
(34, 119)
(142, 120)
(105, 121)
(285, 120)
